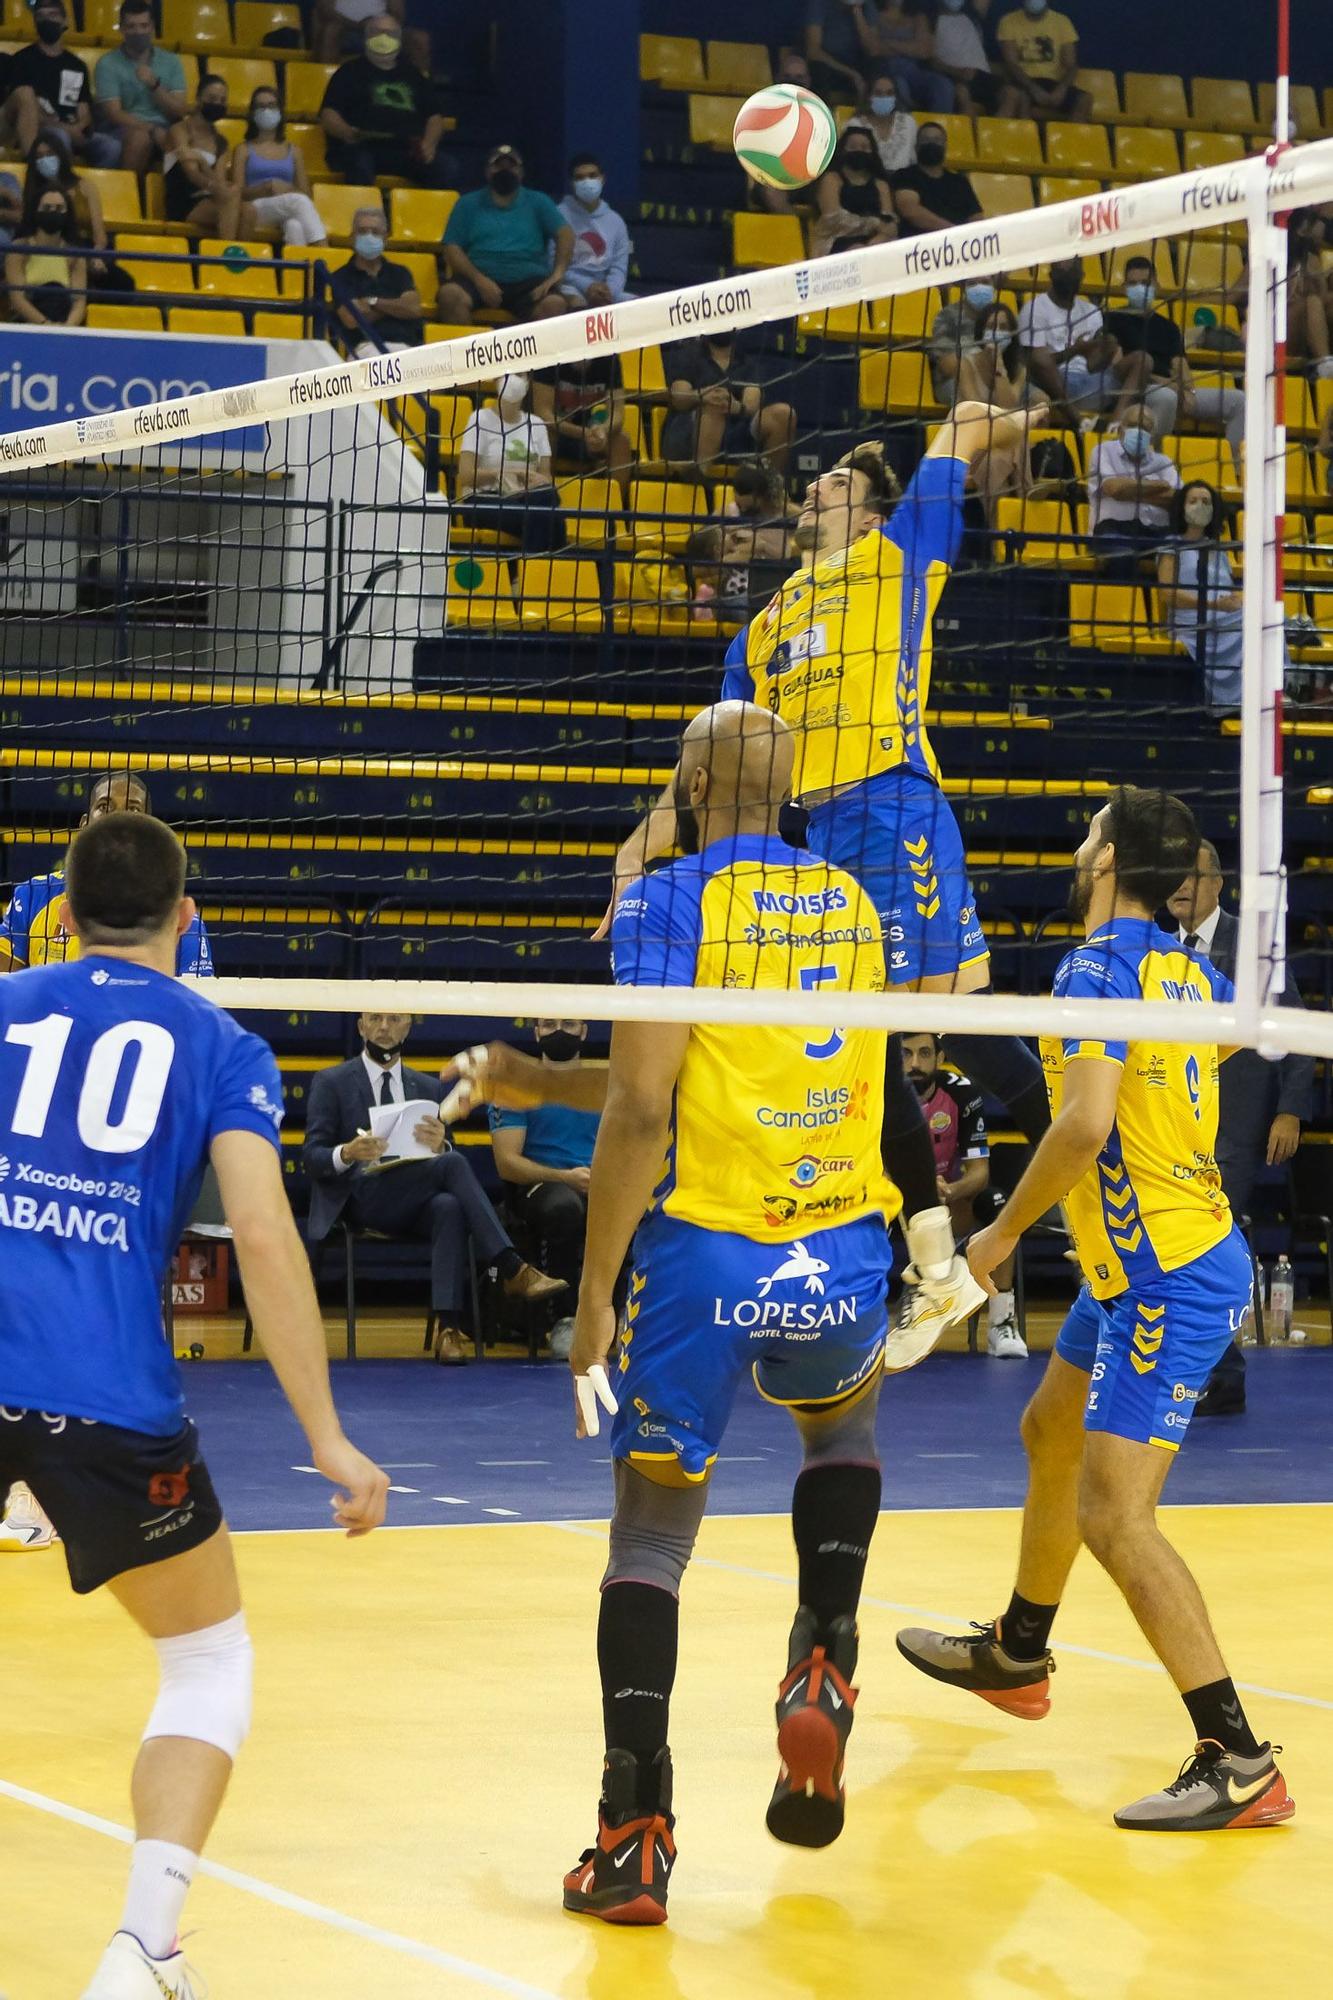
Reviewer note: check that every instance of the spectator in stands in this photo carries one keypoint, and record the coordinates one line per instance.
(1070, 355)
(835, 47)
(32, 931)
(437, 1200)
(543, 1155)
(11, 206)
(902, 39)
(1308, 294)
(891, 127)
(371, 292)
(953, 335)
(195, 165)
(582, 404)
(718, 407)
(504, 472)
(506, 246)
(1158, 372)
(759, 506)
(338, 27)
(960, 55)
(1199, 595)
(1130, 489)
(1039, 50)
(49, 165)
(995, 372)
(380, 116)
(600, 262)
(47, 285)
(47, 88)
(718, 573)
(267, 173)
(140, 92)
(952, 1108)
(930, 195)
(855, 198)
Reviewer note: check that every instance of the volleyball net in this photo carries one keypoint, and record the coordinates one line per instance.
(405, 644)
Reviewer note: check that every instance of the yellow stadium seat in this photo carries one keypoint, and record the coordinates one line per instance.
(304, 84)
(1051, 190)
(195, 319)
(309, 143)
(908, 317)
(1078, 149)
(1045, 526)
(961, 136)
(557, 595)
(1304, 109)
(425, 275)
(278, 326)
(1009, 143)
(119, 193)
(451, 414)
(248, 271)
(1109, 616)
(1225, 103)
(591, 508)
(1208, 264)
(838, 323)
(1328, 108)
(1302, 487)
(711, 120)
(156, 277)
(16, 21)
(1208, 458)
(480, 595)
(1155, 100)
(196, 24)
(300, 256)
(653, 597)
(1212, 149)
(420, 215)
(896, 381)
(642, 373)
(1002, 194)
(760, 240)
(1159, 252)
(126, 319)
(738, 66)
(1199, 319)
(337, 204)
(1146, 154)
(243, 75)
(440, 330)
(666, 511)
(256, 18)
(100, 20)
(674, 61)
(1101, 87)
(233, 130)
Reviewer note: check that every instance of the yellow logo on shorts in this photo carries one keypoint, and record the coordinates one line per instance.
(1147, 1338)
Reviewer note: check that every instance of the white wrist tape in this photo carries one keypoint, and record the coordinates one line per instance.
(207, 1686)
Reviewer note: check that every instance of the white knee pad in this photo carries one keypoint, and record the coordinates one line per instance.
(207, 1686)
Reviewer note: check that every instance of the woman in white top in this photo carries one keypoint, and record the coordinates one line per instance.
(892, 129)
(504, 471)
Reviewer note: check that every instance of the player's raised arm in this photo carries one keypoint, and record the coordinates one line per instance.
(494, 1073)
(275, 1274)
(973, 428)
(654, 836)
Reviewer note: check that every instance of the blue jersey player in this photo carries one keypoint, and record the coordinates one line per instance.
(117, 1085)
(1167, 1282)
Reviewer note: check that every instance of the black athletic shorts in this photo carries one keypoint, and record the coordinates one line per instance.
(119, 1499)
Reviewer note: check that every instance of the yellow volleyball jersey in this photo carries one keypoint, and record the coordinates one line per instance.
(843, 653)
(774, 1131)
(1152, 1201)
(31, 932)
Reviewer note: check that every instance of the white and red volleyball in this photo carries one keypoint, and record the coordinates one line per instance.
(784, 136)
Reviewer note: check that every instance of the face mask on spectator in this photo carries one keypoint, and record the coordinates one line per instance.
(930, 153)
(369, 243)
(954, 6)
(511, 390)
(998, 337)
(503, 180)
(212, 110)
(561, 1045)
(52, 218)
(47, 165)
(1034, 6)
(267, 118)
(137, 44)
(382, 1052)
(50, 27)
(1137, 441)
(1199, 510)
(883, 107)
(980, 296)
(858, 161)
(1140, 296)
(588, 187)
(383, 49)
(1064, 285)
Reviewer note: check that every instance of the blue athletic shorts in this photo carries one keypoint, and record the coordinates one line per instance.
(704, 1306)
(898, 836)
(1149, 1352)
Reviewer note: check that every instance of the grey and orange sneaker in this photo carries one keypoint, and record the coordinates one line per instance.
(1216, 1789)
(623, 1878)
(977, 1661)
(814, 1711)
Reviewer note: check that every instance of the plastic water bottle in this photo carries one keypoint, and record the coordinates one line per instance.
(1281, 1297)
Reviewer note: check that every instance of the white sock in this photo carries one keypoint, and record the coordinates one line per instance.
(999, 1309)
(160, 1878)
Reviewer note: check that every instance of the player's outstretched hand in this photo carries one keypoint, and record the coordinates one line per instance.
(986, 1251)
(594, 1337)
(490, 1073)
(359, 1504)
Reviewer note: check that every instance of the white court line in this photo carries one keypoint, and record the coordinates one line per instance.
(947, 1618)
(300, 1906)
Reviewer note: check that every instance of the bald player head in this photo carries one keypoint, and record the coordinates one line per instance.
(734, 774)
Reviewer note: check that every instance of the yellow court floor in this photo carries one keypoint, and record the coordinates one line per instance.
(425, 1758)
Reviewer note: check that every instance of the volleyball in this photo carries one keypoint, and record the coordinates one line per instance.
(785, 136)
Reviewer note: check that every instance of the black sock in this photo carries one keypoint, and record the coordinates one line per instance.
(909, 1157)
(1216, 1712)
(636, 1656)
(1006, 1068)
(509, 1263)
(1025, 1629)
(834, 1509)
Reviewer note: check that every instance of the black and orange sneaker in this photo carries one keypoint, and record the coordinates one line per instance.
(623, 1879)
(1216, 1789)
(977, 1661)
(815, 1704)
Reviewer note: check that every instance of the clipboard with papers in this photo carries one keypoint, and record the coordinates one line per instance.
(396, 1124)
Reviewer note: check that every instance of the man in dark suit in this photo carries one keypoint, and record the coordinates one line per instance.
(1262, 1104)
(438, 1199)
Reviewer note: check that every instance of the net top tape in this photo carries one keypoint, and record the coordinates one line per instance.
(1204, 199)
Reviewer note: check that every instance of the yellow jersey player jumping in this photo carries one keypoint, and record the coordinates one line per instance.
(1167, 1284)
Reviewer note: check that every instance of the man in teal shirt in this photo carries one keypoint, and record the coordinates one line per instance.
(140, 91)
(497, 248)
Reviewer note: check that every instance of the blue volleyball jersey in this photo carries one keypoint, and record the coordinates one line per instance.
(114, 1082)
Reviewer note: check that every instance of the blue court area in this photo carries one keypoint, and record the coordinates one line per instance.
(495, 1441)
